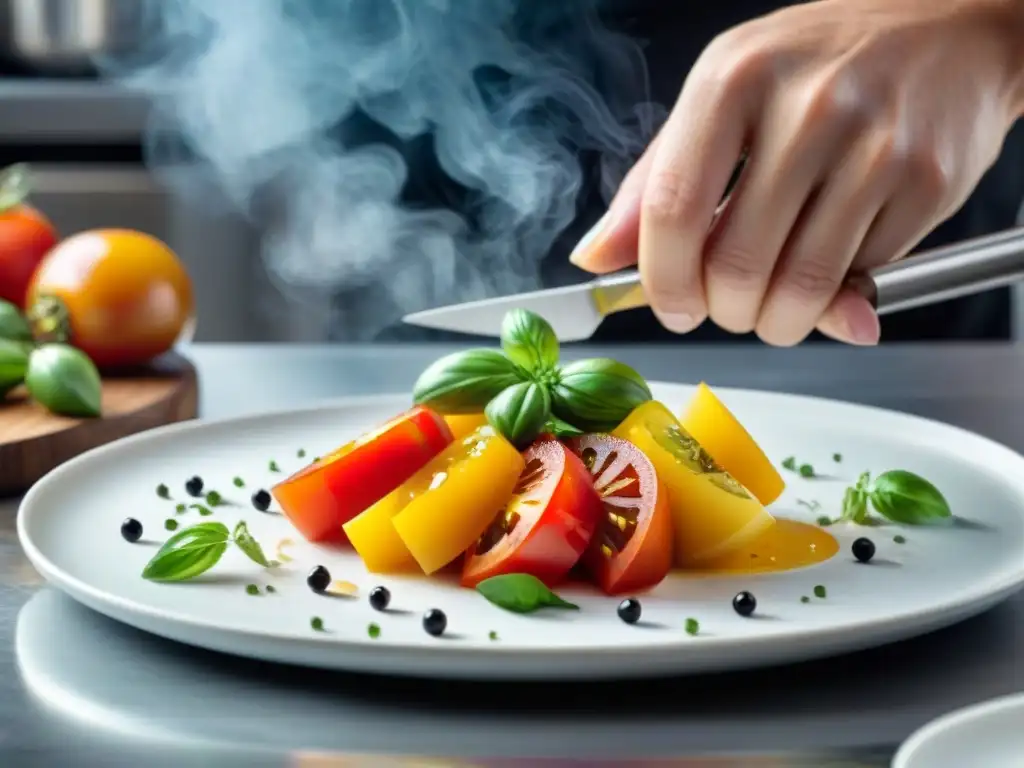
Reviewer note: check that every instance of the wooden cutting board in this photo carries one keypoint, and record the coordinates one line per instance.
(34, 441)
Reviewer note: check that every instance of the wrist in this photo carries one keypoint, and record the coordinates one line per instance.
(1004, 21)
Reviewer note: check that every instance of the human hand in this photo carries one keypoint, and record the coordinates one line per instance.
(867, 122)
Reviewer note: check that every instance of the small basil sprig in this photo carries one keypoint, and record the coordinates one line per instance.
(465, 382)
(521, 593)
(555, 426)
(520, 412)
(197, 549)
(64, 381)
(597, 394)
(529, 341)
(899, 496)
(13, 324)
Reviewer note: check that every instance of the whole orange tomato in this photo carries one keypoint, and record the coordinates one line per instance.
(25, 235)
(120, 296)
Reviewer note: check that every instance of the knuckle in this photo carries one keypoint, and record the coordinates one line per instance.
(811, 278)
(930, 176)
(831, 100)
(668, 199)
(736, 264)
(733, 61)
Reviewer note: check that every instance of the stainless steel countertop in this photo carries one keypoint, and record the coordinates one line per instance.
(77, 688)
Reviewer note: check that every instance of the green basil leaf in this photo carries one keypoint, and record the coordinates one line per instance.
(188, 553)
(464, 382)
(13, 364)
(904, 497)
(597, 394)
(64, 381)
(520, 412)
(529, 340)
(249, 545)
(521, 593)
(15, 183)
(559, 428)
(13, 324)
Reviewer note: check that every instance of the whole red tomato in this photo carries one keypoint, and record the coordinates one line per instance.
(120, 296)
(25, 236)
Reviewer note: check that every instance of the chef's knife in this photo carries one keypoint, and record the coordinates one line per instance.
(576, 311)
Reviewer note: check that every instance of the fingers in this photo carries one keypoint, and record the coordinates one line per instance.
(850, 318)
(612, 242)
(697, 151)
(824, 246)
(740, 255)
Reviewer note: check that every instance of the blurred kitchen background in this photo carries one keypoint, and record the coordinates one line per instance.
(84, 139)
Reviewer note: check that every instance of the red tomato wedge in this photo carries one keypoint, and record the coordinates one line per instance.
(546, 525)
(328, 493)
(632, 548)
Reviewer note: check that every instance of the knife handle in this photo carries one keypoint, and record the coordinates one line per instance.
(928, 277)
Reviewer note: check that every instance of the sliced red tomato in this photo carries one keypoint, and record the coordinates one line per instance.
(328, 493)
(547, 524)
(632, 547)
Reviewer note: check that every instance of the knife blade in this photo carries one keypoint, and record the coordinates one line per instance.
(575, 312)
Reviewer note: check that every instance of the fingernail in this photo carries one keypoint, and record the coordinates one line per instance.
(862, 323)
(579, 254)
(677, 322)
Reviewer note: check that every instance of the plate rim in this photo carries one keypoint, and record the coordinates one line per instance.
(982, 596)
(955, 719)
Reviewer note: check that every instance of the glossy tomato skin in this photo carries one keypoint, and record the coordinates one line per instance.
(557, 511)
(629, 489)
(25, 238)
(125, 297)
(321, 498)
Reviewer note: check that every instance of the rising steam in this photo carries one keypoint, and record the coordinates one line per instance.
(306, 114)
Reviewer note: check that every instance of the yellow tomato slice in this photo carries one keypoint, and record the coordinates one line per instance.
(721, 434)
(712, 513)
(441, 510)
(464, 424)
(454, 499)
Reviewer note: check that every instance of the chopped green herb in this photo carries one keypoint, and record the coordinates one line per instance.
(203, 511)
(180, 508)
(837, 457)
(316, 623)
(214, 499)
(301, 453)
(252, 589)
(163, 491)
(171, 524)
(805, 599)
(806, 470)
(239, 482)
(812, 505)
(273, 466)
(492, 635)
(373, 631)
(824, 521)
(316, 459)
(692, 626)
(789, 463)
(270, 589)
(899, 539)
(819, 591)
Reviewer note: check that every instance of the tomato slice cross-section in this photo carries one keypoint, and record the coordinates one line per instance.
(547, 524)
(320, 498)
(632, 547)
(713, 514)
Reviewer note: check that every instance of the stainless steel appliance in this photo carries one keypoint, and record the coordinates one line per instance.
(63, 36)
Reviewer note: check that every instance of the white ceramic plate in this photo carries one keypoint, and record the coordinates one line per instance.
(69, 526)
(987, 735)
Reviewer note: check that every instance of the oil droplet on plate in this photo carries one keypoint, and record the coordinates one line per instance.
(785, 546)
